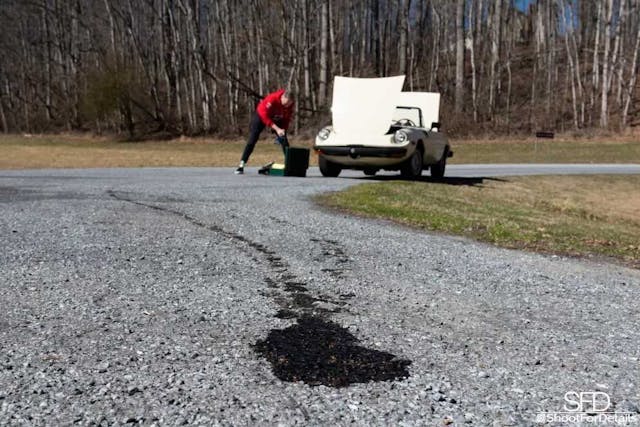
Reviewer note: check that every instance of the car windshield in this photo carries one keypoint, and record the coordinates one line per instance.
(407, 116)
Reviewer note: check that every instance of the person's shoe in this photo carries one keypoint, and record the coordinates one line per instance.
(239, 171)
(264, 170)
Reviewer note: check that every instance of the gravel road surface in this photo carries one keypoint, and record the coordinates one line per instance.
(193, 296)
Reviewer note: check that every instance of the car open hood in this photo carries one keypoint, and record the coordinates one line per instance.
(363, 107)
(428, 102)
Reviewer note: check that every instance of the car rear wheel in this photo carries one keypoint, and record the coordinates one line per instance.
(412, 167)
(328, 168)
(437, 170)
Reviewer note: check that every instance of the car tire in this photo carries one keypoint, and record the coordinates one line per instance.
(437, 170)
(412, 167)
(370, 172)
(327, 168)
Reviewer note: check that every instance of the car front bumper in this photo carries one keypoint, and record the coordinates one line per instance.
(361, 157)
(356, 151)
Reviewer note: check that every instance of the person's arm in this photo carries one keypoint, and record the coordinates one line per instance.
(279, 131)
(264, 108)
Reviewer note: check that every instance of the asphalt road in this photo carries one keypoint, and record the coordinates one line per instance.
(173, 296)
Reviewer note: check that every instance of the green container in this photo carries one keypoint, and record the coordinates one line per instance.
(296, 162)
(277, 169)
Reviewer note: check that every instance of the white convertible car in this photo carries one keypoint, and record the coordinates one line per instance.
(377, 126)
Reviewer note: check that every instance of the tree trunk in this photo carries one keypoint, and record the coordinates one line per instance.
(604, 113)
(571, 66)
(550, 46)
(595, 70)
(112, 29)
(3, 117)
(404, 29)
(459, 97)
(324, 54)
(578, 74)
(375, 9)
(435, 49)
(472, 57)
(631, 86)
(47, 60)
(336, 60)
(495, 53)
(305, 46)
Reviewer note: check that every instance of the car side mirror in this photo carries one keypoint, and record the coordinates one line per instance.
(436, 126)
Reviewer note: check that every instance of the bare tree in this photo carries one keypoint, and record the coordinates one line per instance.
(324, 54)
(200, 66)
(495, 51)
(459, 55)
(604, 114)
(633, 73)
(403, 13)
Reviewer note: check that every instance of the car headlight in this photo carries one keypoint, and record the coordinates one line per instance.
(400, 137)
(324, 133)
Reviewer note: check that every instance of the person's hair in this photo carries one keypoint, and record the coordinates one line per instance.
(289, 94)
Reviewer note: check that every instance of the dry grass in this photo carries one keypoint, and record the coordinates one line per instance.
(581, 216)
(69, 151)
(615, 150)
(19, 152)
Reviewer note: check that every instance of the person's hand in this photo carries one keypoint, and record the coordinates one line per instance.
(279, 131)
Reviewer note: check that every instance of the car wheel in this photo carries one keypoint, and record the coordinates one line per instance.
(370, 172)
(437, 170)
(412, 167)
(328, 168)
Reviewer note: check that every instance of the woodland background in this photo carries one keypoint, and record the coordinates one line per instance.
(197, 67)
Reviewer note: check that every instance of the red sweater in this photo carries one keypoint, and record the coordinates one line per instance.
(271, 110)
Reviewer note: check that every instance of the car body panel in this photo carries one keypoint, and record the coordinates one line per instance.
(363, 107)
(364, 138)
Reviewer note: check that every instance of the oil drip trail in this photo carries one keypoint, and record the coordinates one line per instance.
(315, 350)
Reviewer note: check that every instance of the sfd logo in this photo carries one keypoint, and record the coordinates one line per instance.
(586, 401)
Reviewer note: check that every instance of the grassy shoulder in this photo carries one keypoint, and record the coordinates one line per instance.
(578, 216)
(547, 151)
(19, 152)
(68, 151)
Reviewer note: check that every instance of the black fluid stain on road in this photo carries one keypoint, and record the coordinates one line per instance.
(336, 273)
(295, 287)
(315, 350)
(321, 352)
(270, 282)
(303, 300)
(286, 314)
(333, 254)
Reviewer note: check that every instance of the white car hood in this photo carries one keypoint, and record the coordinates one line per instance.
(363, 107)
(428, 102)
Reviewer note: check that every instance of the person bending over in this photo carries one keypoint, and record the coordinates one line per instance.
(275, 111)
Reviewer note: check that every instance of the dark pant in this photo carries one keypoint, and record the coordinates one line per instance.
(255, 129)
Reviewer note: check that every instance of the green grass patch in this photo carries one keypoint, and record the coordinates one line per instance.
(578, 216)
